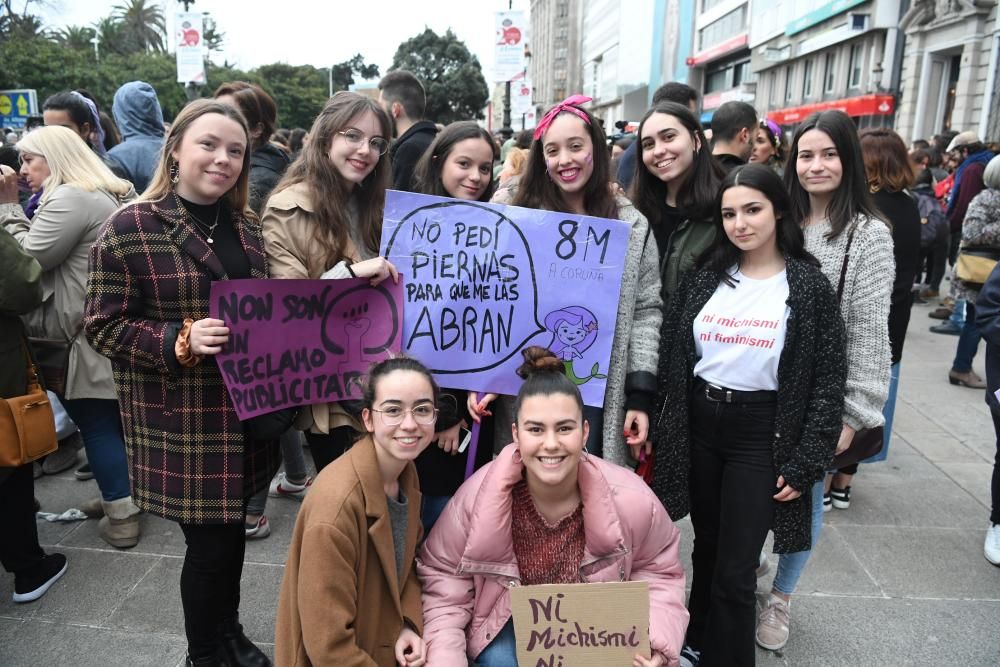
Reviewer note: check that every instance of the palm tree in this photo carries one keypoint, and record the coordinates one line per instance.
(75, 37)
(143, 27)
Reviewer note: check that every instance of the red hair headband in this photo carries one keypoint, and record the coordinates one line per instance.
(569, 104)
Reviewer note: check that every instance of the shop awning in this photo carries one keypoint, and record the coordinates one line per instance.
(863, 105)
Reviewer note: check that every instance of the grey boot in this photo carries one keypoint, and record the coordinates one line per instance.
(120, 525)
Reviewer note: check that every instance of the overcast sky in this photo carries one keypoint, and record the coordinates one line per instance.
(312, 32)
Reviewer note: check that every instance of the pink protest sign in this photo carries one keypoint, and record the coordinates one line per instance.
(301, 342)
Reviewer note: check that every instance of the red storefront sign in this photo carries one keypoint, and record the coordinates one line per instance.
(863, 105)
(719, 50)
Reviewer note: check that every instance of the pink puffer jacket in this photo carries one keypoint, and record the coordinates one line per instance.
(467, 564)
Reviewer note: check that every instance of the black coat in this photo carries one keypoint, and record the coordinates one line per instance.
(267, 165)
(812, 372)
(988, 319)
(900, 209)
(407, 150)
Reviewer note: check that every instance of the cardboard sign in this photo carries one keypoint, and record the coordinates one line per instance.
(484, 281)
(581, 625)
(300, 342)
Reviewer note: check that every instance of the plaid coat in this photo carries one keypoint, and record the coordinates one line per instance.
(149, 269)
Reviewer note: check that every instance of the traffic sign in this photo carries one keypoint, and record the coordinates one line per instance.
(16, 106)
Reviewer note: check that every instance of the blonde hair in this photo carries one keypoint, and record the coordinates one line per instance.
(514, 166)
(238, 197)
(71, 162)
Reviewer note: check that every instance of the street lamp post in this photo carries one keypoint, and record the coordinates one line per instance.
(507, 130)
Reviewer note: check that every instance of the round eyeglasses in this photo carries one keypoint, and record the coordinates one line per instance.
(356, 138)
(394, 415)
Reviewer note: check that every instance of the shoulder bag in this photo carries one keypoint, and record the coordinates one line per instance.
(27, 426)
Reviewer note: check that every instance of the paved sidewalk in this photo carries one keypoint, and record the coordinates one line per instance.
(898, 579)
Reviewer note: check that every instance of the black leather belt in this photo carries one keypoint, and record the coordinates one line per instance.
(717, 394)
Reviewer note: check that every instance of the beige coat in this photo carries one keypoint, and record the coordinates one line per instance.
(59, 236)
(292, 252)
(342, 601)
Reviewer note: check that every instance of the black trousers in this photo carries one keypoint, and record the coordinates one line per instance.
(995, 484)
(732, 482)
(210, 582)
(19, 548)
(327, 447)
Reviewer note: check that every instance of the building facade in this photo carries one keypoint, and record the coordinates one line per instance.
(555, 51)
(719, 62)
(948, 79)
(812, 55)
(616, 43)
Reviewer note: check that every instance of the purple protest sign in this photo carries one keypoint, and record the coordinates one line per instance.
(486, 280)
(300, 342)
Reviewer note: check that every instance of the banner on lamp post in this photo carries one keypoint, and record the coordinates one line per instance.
(190, 48)
(511, 37)
(520, 95)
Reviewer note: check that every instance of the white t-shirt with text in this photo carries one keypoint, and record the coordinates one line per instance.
(740, 332)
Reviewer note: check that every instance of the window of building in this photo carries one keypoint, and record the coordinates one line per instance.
(562, 9)
(772, 87)
(741, 73)
(829, 72)
(789, 95)
(807, 79)
(854, 70)
(730, 25)
(708, 4)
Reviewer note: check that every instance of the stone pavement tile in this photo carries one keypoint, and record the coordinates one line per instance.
(281, 513)
(891, 632)
(832, 570)
(94, 585)
(36, 643)
(56, 494)
(974, 478)
(908, 491)
(155, 604)
(933, 441)
(158, 536)
(925, 562)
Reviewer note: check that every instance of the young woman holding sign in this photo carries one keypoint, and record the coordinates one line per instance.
(754, 342)
(151, 270)
(832, 203)
(324, 220)
(545, 512)
(350, 594)
(459, 164)
(569, 170)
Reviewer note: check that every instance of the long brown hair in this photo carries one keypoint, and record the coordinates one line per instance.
(887, 164)
(160, 186)
(329, 192)
(537, 190)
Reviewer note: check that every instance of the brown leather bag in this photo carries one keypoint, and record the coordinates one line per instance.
(27, 426)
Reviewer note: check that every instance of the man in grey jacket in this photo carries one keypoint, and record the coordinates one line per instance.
(137, 112)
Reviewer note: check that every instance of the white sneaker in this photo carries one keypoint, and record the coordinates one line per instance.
(772, 624)
(991, 548)
(259, 530)
(282, 488)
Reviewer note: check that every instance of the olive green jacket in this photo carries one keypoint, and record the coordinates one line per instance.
(686, 244)
(20, 292)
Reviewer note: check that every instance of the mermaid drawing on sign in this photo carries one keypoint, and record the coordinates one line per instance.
(574, 330)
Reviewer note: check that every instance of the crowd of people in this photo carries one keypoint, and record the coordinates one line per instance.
(765, 296)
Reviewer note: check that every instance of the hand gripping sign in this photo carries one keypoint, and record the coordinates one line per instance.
(300, 342)
(483, 281)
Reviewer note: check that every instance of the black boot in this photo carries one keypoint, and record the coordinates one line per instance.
(238, 651)
(202, 662)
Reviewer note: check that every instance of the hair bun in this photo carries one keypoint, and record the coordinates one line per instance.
(539, 360)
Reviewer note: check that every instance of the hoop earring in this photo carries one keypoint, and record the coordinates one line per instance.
(175, 173)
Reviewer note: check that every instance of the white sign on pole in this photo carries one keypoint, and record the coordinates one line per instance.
(520, 95)
(190, 49)
(511, 35)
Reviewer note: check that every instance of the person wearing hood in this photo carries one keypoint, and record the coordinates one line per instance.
(267, 162)
(402, 96)
(139, 118)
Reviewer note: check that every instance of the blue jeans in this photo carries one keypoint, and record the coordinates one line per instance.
(968, 341)
(888, 411)
(295, 468)
(790, 566)
(431, 510)
(502, 651)
(957, 317)
(100, 424)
